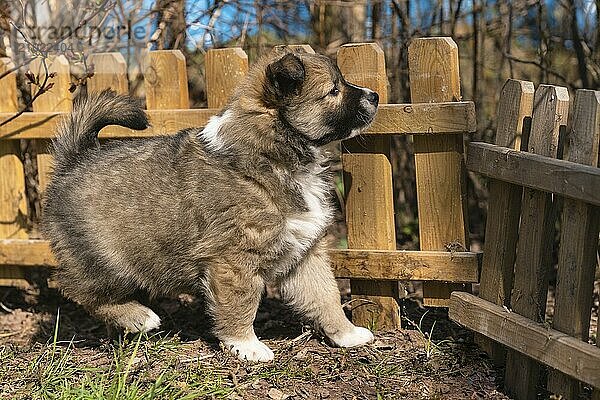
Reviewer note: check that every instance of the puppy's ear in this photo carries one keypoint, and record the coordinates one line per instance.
(286, 75)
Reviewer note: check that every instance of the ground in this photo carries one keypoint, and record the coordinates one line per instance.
(51, 348)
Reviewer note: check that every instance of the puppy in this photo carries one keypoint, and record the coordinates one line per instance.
(219, 211)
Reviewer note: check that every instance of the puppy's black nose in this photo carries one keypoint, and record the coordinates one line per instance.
(373, 98)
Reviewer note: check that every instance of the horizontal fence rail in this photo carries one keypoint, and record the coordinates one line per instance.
(424, 118)
(406, 265)
(565, 178)
(360, 264)
(536, 340)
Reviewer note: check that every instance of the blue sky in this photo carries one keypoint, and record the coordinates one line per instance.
(238, 15)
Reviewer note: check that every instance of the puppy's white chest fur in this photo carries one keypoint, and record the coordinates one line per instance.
(305, 227)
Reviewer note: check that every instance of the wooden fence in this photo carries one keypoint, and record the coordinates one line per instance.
(527, 186)
(521, 210)
(438, 119)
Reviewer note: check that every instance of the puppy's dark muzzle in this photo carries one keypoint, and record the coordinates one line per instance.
(373, 98)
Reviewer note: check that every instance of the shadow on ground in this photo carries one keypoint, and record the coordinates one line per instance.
(29, 316)
(184, 360)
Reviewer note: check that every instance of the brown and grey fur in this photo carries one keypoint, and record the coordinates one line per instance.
(219, 211)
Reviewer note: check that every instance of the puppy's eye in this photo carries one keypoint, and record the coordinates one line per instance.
(334, 92)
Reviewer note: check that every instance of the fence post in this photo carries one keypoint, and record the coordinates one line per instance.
(13, 200)
(439, 163)
(578, 241)
(110, 71)
(369, 192)
(504, 206)
(166, 81)
(58, 98)
(225, 69)
(550, 112)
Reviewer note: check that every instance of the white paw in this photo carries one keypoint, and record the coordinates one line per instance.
(145, 321)
(249, 349)
(355, 337)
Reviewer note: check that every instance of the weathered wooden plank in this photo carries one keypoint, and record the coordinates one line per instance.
(166, 83)
(425, 118)
(13, 202)
(9, 102)
(565, 178)
(13, 199)
(370, 223)
(551, 107)
(58, 98)
(166, 80)
(26, 253)
(536, 340)
(363, 264)
(578, 240)
(504, 206)
(369, 192)
(164, 122)
(406, 265)
(110, 72)
(440, 174)
(225, 69)
(363, 64)
(362, 180)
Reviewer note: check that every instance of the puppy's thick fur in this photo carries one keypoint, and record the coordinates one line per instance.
(219, 211)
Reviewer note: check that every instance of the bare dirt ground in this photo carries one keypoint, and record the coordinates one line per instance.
(184, 361)
(50, 348)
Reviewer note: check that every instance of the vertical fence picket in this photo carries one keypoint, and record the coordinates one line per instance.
(369, 192)
(578, 241)
(58, 98)
(13, 201)
(166, 80)
(110, 71)
(504, 206)
(225, 69)
(550, 112)
(439, 163)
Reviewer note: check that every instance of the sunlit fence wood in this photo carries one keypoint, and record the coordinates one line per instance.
(57, 98)
(13, 200)
(369, 193)
(373, 264)
(527, 184)
(439, 163)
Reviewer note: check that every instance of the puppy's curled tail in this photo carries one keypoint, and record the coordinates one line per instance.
(79, 130)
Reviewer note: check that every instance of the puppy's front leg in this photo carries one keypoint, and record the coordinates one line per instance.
(311, 289)
(234, 295)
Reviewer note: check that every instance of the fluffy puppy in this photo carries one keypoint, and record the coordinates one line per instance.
(219, 211)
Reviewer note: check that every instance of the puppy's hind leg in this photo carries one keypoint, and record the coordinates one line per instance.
(131, 315)
(105, 297)
(312, 290)
(234, 295)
